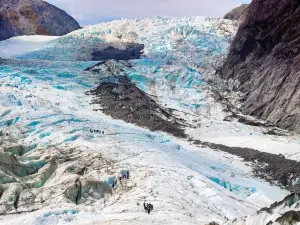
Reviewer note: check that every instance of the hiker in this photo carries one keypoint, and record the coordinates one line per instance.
(120, 179)
(114, 184)
(148, 207)
(103, 132)
(151, 207)
(127, 174)
(145, 207)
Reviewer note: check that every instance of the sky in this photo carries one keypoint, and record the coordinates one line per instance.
(95, 11)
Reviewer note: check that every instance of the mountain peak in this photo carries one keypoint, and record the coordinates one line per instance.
(238, 13)
(30, 17)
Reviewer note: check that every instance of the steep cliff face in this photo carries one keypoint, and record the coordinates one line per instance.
(5, 27)
(238, 13)
(29, 17)
(265, 59)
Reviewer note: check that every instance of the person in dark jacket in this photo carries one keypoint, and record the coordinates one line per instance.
(127, 174)
(151, 207)
(145, 207)
(148, 207)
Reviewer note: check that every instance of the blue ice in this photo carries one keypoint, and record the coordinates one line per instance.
(74, 138)
(65, 75)
(9, 122)
(239, 190)
(46, 134)
(60, 87)
(60, 213)
(34, 123)
(26, 80)
(38, 164)
(67, 120)
(6, 113)
(110, 180)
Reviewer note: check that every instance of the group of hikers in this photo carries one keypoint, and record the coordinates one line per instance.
(124, 176)
(148, 207)
(97, 131)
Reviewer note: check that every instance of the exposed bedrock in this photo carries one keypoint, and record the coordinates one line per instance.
(238, 13)
(122, 99)
(264, 60)
(111, 67)
(30, 17)
(6, 29)
(289, 218)
(130, 51)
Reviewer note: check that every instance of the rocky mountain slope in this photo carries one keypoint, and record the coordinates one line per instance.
(238, 13)
(264, 62)
(29, 17)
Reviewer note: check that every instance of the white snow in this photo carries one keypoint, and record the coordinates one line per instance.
(23, 44)
(186, 184)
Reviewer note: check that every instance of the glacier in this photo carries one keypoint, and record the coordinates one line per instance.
(46, 118)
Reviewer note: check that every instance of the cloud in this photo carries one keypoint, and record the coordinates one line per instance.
(93, 11)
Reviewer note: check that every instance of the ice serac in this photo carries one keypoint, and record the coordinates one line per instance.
(264, 60)
(238, 13)
(279, 213)
(29, 17)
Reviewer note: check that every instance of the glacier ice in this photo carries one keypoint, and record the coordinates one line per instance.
(45, 110)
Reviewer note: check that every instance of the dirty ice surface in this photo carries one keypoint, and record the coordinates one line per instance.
(43, 103)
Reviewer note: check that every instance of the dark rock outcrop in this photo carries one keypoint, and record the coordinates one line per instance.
(120, 98)
(284, 212)
(264, 58)
(238, 13)
(6, 29)
(111, 67)
(290, 217)
(30, 17)
(132, 51)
